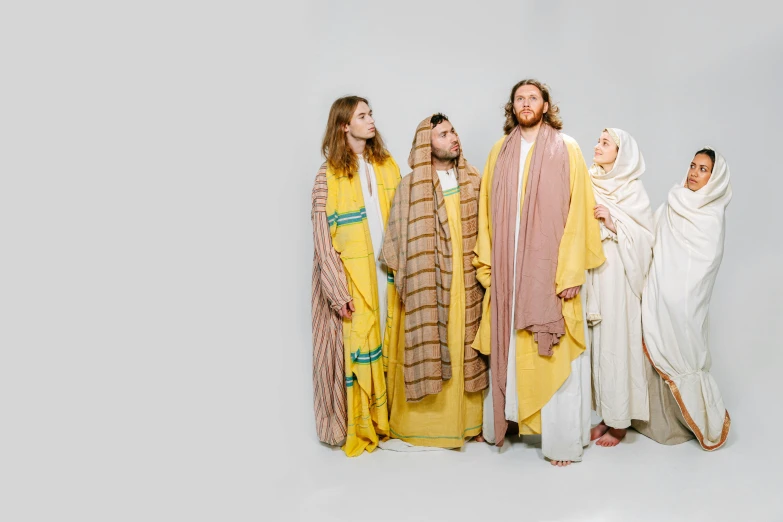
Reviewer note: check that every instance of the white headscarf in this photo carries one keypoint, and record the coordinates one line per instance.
(688, 252)
(622, 192)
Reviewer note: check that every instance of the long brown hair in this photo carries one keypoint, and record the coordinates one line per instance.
(335, 147)
(551, 116)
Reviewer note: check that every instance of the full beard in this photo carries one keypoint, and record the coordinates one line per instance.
(527, 121)
(444, 155)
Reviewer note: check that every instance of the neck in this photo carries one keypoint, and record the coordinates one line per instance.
(442, 165)
(357, 145)
(531, 133)
(606, 167)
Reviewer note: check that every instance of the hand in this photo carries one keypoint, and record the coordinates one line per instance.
(346, 310)
(570, 293)
(602, 213)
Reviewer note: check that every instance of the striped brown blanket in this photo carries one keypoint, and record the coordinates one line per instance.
(417, 245)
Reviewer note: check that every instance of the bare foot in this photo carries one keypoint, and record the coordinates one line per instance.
(560, 463)
(479, 438)
(611, 438)
(598, 431)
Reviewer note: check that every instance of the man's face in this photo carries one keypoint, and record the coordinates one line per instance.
(445, 142)
(362, 126)
(529, 105)
(699, 173)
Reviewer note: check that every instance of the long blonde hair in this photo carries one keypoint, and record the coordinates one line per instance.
(335, 147)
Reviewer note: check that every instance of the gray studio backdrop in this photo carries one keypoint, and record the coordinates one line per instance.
(676, 76)
(157, 161)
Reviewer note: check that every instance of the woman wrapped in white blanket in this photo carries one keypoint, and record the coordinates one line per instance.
(690, 229)
(614, 289)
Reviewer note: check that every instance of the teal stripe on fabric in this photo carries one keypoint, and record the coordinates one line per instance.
(366, 358)
(332, 219)
(349, 218)
(451, 192)
(389, 277)
(378, 400)
(349, 381)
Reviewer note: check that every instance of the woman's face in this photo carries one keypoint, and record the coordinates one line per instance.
(605, 152)
(700, 172)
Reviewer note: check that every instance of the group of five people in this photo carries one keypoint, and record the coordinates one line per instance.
(450, 305)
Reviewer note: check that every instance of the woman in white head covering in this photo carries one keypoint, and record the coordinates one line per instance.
(687, 255)
(614, 290)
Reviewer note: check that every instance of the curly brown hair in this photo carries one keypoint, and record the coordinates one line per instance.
(551, 116)
(335, 147)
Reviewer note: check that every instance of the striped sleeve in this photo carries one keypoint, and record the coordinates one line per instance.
(332, 274)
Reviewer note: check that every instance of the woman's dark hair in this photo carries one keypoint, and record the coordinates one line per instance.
(708, 152)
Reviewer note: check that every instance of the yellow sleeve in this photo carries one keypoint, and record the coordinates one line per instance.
(580, 248)
(483, 249)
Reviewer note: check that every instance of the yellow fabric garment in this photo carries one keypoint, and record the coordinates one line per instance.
(538, 377)
(443, 420)
(364, 379)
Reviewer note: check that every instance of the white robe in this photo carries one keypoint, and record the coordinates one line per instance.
(512, 395)
(688, 252)
(372, 206)
(614, 289)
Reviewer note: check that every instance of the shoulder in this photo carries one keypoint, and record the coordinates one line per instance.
(320, 176)
(574, 152)
(473, 175)
(495, 150)
(569, 141)
(498, 145)
(390, 163)
(327, 173)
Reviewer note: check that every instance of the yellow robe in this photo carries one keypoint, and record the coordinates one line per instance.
(445, 419)
(538, 377)
(368, 416)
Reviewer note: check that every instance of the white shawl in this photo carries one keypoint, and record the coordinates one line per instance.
(622, 192)
(614, 290)
(688, 251)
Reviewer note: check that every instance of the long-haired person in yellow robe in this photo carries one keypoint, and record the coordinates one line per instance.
(435, 377)
(537, 237)
(353, 295)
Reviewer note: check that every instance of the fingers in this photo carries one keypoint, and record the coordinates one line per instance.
(569, 293)
(351, 306)
(345, 311)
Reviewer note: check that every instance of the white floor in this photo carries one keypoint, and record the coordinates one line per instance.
(638, 480)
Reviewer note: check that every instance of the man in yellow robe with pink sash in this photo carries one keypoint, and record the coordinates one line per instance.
(537, 237)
